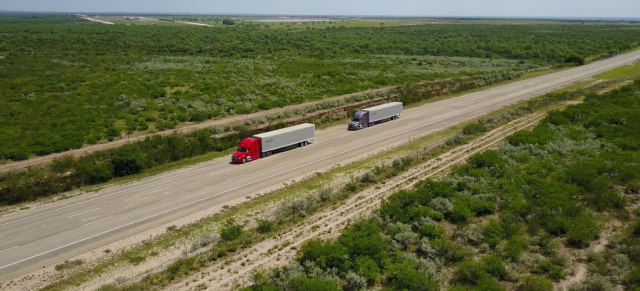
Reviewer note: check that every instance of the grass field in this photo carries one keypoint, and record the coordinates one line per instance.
(624, 72)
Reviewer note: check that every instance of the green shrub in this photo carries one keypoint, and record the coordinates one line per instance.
(633, 277)
(546, 267)
(324, 254)
(398, 164)
(231, 230)
(368, 177)
(432, 231)
(469, 273)
(404, 276)
(461, 212)
(351, 187)
(416, 213)
(127, 160)
(362, 239)
(473, 128)
(488, 284)
(313, 284)
(494, 266)
(488, 159)
(557, 118)
(325, 194)
(493, 233)
(449, 251)
(264, 226)
(515, 247)
(539, 135)
(368, 269)
(583, 231)
(534, 283)
(635, 228)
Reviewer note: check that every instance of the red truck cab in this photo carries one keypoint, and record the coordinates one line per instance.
(248, 150)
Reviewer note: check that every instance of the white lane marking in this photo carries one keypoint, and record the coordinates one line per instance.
(2, 236)
(97, 220)
(103, 196)
(175, 196)
(8, 249)
(165, 188)
(81, 213)
(213, 174)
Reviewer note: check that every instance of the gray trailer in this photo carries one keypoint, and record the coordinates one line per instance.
(370, 116)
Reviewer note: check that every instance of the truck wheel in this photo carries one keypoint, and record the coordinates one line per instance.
(244, 161)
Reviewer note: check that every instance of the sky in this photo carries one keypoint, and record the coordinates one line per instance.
(468, 8)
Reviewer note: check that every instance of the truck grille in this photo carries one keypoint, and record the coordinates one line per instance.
(233, 158)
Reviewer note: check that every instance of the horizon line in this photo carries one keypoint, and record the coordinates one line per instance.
(105, 13)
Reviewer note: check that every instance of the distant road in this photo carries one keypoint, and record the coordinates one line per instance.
(52, 233)
(96, 20)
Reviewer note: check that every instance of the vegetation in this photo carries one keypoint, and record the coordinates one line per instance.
(512, 208)
(628, 71)
(320, 197)
(69, 173)
(66, 82)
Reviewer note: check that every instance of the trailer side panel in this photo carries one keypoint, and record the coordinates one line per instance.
(284, 137)
(384, 111)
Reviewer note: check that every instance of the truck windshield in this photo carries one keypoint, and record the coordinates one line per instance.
(355, 119)
(242, 150)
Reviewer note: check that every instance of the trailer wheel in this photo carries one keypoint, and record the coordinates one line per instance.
(244, 161)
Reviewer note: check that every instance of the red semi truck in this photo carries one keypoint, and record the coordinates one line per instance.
(265, 144)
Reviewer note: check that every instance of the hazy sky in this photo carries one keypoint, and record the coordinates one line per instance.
(517, 8)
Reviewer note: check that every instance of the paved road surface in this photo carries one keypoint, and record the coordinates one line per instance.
(53, 233)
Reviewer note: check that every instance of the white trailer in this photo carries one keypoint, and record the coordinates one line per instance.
(301, 135)
(370, 116)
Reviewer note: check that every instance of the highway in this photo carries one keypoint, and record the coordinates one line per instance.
(51, 233)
